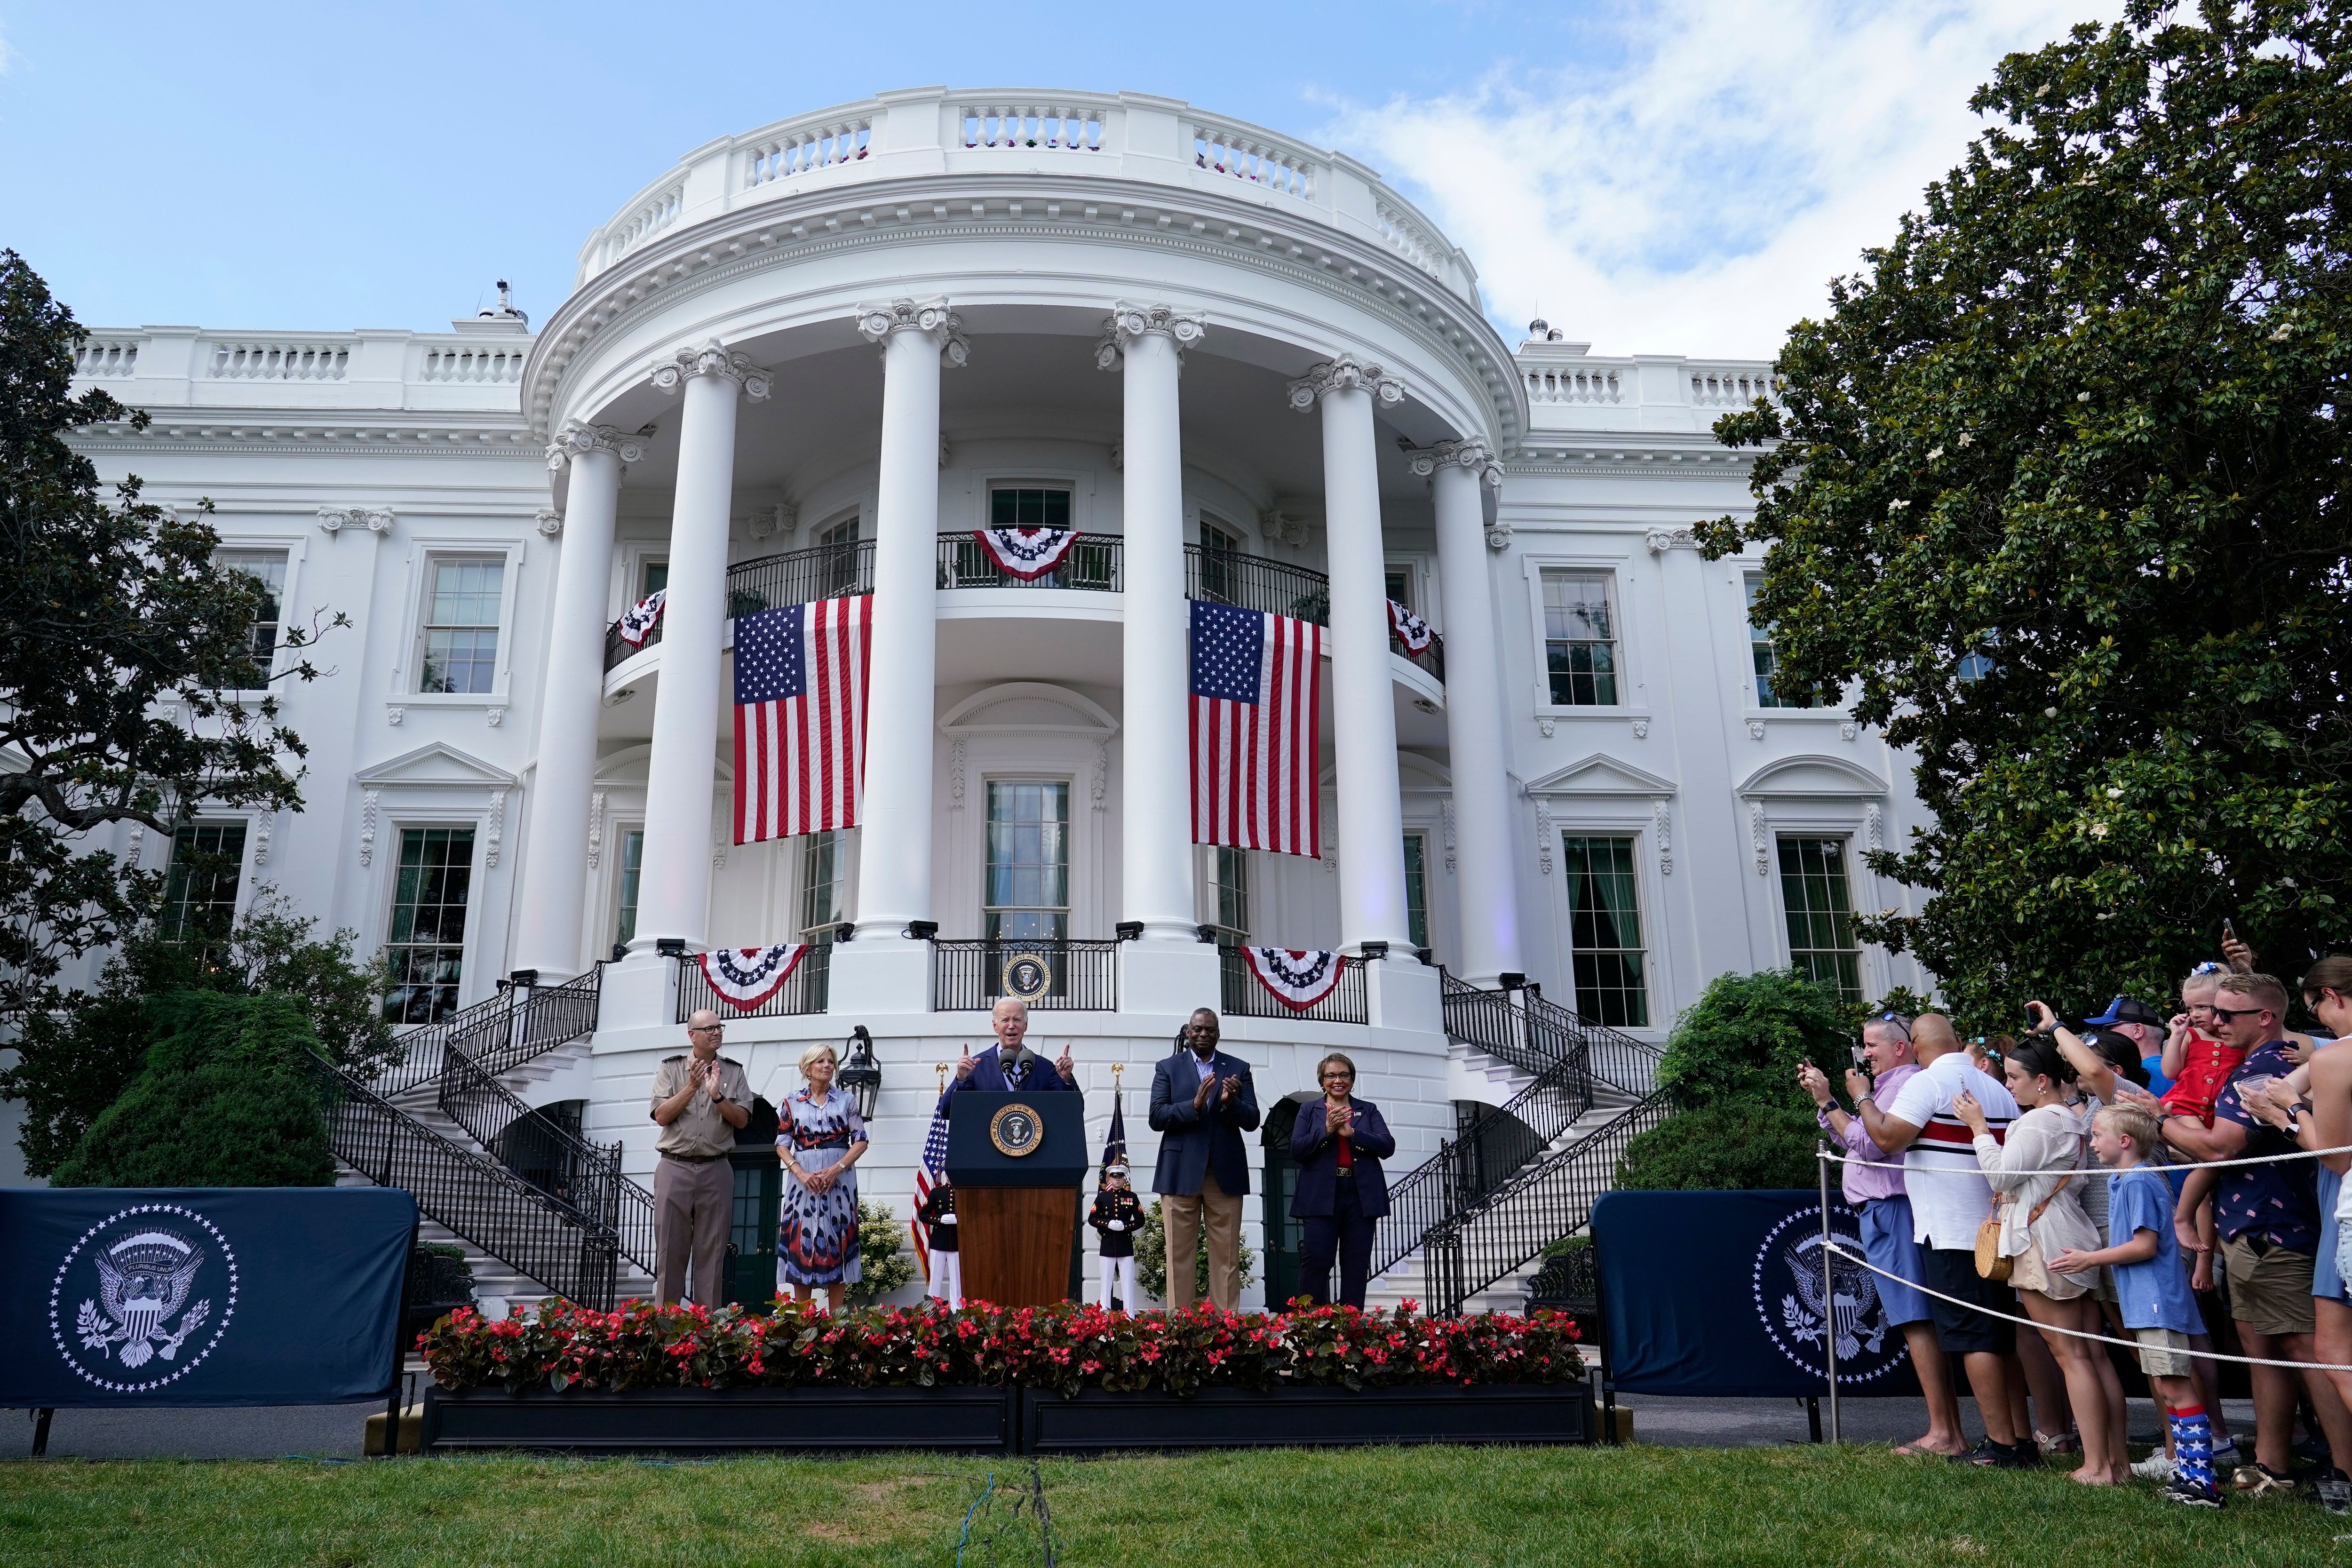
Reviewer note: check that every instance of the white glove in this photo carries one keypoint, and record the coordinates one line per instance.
(947, 1219)
(1114, 1225)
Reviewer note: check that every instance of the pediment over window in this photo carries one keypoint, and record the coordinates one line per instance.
(1424, 775)
(1812, 775)
(436, 765)
(1027, 706)
(1599, 775)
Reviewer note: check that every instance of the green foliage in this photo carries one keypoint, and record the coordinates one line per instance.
(1151, 1258)
(2083, 419)
(1730, 1146)
(227, 1098)
(882, 1256)
(1744, 1039)
(74, 1059)
(123, 646)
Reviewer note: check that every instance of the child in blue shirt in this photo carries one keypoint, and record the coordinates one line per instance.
(2152, 1291)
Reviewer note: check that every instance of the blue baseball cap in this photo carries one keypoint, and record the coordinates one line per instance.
(2125, 1010)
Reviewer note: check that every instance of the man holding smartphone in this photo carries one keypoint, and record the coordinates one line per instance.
(700, 1100)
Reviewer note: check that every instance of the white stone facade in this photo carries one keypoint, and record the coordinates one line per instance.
(883, 315)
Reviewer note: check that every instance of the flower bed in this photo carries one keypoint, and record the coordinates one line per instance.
(1065, 1349)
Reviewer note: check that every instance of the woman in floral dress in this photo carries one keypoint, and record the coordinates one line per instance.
(819, 1139)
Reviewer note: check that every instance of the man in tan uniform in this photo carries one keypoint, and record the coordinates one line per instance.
(699, 1098)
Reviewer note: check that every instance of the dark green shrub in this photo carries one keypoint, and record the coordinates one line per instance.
(227, 1098)
(1743, 1038)
(1729, 1147)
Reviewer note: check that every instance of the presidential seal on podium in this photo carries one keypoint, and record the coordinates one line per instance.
(1016, 1131)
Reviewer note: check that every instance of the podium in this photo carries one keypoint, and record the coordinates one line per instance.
(1017, 1161)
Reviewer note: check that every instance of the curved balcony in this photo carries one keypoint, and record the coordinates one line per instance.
(1277, 588)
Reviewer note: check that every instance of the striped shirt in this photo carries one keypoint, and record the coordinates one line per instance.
(1949, 1196)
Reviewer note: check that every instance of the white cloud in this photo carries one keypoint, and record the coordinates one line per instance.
(1698, 198)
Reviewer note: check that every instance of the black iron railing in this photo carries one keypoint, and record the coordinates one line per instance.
(1466, 1252)
(804, 991)
(1430, 659)
(1240, 994)
(500, 1032)
(768, 582)
(1080, 974)
(1569, 1281)
(569, 1243)
(1096, 563)
(1528, 1033)
(1485, 1154)
(1254, 582)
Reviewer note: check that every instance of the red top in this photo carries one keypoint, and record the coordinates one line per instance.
(1347, 1154)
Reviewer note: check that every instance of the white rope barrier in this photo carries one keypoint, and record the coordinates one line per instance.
(1900, 1167)
(2079, 1333)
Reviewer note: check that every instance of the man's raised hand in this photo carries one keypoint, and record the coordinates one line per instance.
(964, 1064)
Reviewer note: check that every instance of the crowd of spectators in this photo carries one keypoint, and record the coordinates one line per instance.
(2091, 1181)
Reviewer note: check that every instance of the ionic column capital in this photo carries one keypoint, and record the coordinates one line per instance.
(576, 440)
(1128, 322)
(1344, 373)
(712, 358)
(1474, 455)
(930, 317)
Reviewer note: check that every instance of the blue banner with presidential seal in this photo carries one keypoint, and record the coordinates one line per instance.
(202, 1296)
(1729, 1294)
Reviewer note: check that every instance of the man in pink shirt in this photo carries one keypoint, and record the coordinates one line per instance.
(1873, 1180)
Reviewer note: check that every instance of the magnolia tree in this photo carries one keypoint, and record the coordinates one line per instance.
(2055, 493)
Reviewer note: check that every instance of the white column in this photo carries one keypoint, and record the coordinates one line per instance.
(1475, 745)
(673, 896)
(555, 866)
(1363, 715)
(894, 866)
(1156, 849)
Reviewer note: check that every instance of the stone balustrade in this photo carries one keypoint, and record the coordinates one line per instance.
(477, 370)
(1130, 137)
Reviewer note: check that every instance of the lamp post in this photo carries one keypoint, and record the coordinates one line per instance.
(861, 1075)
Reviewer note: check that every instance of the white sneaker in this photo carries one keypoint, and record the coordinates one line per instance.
(2225, 1454)
(2156, 1467)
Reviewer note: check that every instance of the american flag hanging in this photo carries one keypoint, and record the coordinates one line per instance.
(1409, 629)
(929, 1174)
(637, 622)
(743, 977)
(1027, 554)
(800, 717)
(1257, 698)
(1296, 979)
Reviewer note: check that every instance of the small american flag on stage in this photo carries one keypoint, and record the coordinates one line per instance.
(800, 717)
(1256, 696)
(928, 1174)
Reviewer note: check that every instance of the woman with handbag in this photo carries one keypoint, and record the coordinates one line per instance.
(2037, 1216)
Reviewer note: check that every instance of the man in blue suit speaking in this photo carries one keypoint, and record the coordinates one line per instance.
(1202, 1101)
(1011, 1064)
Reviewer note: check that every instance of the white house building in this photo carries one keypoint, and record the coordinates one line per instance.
(810, 361)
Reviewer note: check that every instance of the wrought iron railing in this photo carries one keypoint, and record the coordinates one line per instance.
(500, 1032)
(1255, 583)
(1466, 1252)
(804, 991)
(1483, 1156)
(1096, 563)
(1241, 994)
(769, 582)
(1528, 1033)
(1569, 1281)
(1081, 974)
(569, 1245)
(1430, 659)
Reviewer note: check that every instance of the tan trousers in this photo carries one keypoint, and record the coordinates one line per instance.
(694, 1208)
(1180, 1219)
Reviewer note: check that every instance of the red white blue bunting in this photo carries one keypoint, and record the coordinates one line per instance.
(743, 977)
(1297, 980)
(1027, 554)
(1409, 629)
(638, 620)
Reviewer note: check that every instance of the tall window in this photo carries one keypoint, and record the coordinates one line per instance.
(427, 945)
(1821, 914)
(200, 890)
(461, 627)
(1580, 640)
(1416, 888)
(653, 579)
(632, 878)
(1229, 874)
(1605, 917)
(1028, 886)
(1220, 549)
(1028, 508)
(1399, 579)
(1769, 693)
(821, 868)
(839, 570)
(266, 567)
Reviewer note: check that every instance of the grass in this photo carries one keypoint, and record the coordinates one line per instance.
(1625, 1508)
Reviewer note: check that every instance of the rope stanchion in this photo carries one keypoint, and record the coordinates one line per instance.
(1829, 1248)
(1910, 1172)
(2080, 1333)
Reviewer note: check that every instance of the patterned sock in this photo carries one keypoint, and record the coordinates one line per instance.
(2192, 1445)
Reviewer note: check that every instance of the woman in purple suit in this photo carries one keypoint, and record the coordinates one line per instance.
(1338, 1145)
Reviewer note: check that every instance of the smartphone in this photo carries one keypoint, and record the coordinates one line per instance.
(2229, 932)
(1860, 1061)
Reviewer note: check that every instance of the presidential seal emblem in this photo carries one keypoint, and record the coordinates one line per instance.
(1027, 976)
(1805, 1297)
(142, 1297)
(1016, 1131)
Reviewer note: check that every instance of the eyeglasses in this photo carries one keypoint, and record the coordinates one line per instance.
(706, 1028)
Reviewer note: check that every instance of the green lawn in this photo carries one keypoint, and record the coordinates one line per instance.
(1619, 1507)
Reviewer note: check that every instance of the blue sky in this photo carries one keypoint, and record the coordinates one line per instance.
(1678, 176)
